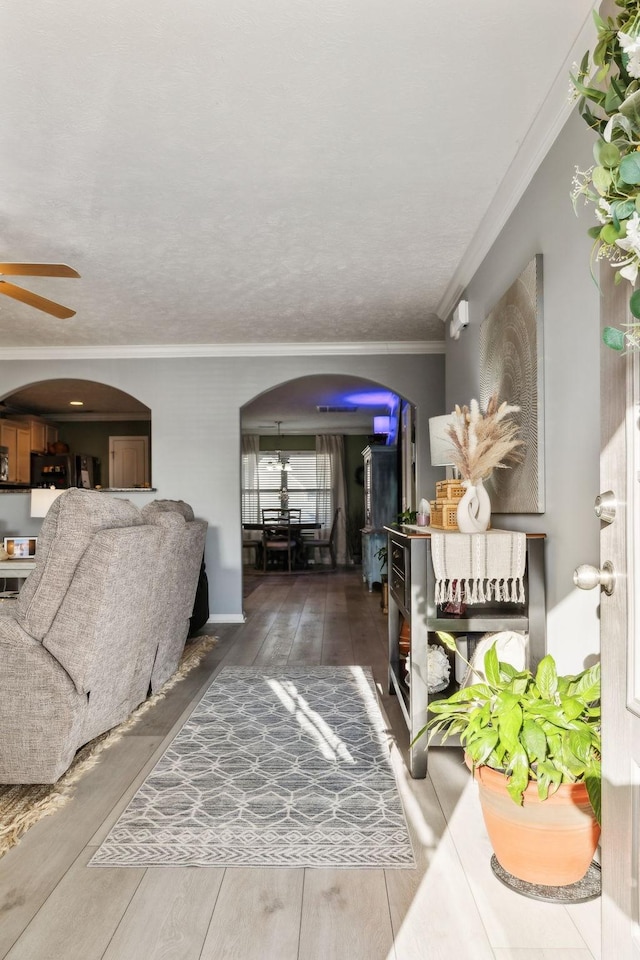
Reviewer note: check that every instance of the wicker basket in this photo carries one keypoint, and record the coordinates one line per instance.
(444, 514)
(449, 490)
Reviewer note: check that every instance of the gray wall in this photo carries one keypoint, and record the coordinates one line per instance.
(195, 408)
(544, 222)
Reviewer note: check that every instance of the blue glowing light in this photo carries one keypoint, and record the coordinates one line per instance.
(382, 424)
(373, 398)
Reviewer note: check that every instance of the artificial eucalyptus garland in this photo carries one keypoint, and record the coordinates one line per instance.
(607, 84)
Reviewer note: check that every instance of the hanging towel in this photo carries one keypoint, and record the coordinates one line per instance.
(479, 567)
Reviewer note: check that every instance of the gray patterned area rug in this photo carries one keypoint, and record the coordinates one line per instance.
(277, 768)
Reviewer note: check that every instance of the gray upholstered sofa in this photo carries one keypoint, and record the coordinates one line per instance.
(179, 565)
(100, 622)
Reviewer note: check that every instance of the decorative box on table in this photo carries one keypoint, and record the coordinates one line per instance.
(449, 490)
(444, 508)
(444, 514)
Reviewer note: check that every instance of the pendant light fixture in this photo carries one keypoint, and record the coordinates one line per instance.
(279, 462)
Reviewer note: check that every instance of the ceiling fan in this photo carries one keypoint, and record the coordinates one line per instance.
(33, 299)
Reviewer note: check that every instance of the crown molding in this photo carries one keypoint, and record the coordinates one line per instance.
(547, 124)
(179, 350)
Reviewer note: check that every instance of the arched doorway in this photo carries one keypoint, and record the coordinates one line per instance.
(282, 426)
(78, 419)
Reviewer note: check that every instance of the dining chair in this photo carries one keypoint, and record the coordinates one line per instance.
(272, 514)
(254, 546)
(330, 544)
(277, 537)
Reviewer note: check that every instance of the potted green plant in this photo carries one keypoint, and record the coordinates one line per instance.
(608, 93)
(407, 516)
(533, 744)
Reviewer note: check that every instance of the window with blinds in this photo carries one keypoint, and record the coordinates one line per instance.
(306, 492)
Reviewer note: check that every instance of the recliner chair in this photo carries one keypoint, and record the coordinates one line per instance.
(88, 635)
(177, 575)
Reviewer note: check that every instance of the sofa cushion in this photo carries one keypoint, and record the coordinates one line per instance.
(167, 506)
(103, 627)
(66, 532)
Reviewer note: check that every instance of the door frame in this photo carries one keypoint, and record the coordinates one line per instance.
(112, 455)
(621, 726)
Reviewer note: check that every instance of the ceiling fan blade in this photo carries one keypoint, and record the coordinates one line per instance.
(37, 270)
(33, 300)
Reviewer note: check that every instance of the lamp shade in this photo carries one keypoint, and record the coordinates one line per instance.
(439, 440)
(41, 500)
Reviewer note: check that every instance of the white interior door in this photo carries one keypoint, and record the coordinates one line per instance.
(619, 510)
(128, 461)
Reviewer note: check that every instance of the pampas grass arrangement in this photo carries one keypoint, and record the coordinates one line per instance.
(484, 441)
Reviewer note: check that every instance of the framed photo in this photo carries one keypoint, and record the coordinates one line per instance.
(20, 548)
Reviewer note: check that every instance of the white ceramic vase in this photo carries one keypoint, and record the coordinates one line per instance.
(474, 509)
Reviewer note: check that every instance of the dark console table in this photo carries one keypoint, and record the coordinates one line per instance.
(412, 596)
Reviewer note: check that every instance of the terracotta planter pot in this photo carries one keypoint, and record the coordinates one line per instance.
(548, 841)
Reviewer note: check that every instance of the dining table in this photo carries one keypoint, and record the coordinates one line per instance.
(296, 529)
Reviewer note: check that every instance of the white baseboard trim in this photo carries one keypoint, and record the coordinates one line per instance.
(227, 618)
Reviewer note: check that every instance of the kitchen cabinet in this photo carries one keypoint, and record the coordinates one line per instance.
(50, 436)
(16, 437)
(24, 454)
(412, 602)
(38, 436)
(39, 431)
(380, 507)
(9, 439)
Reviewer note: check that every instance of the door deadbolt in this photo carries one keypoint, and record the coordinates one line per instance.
(605, 506)
(587, 577)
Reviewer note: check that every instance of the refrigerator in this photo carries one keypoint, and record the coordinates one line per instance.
(64, 470)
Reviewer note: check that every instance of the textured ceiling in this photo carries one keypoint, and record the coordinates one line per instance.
(241, 172)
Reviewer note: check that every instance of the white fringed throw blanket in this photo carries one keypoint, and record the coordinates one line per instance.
(479, 567)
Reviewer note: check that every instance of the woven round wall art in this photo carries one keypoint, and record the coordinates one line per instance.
(511, 363)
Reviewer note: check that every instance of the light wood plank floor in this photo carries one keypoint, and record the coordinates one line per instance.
(450, 906)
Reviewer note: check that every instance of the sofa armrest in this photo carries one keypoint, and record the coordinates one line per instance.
(41, 712)
(7, 608)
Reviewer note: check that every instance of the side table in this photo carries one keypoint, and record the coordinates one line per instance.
(412, 596)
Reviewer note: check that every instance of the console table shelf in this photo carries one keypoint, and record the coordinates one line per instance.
(412, 597)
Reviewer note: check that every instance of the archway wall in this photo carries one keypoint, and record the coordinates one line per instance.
(195, 404)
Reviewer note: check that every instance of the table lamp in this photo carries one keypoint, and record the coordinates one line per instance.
(41, 500)
(440, 441)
